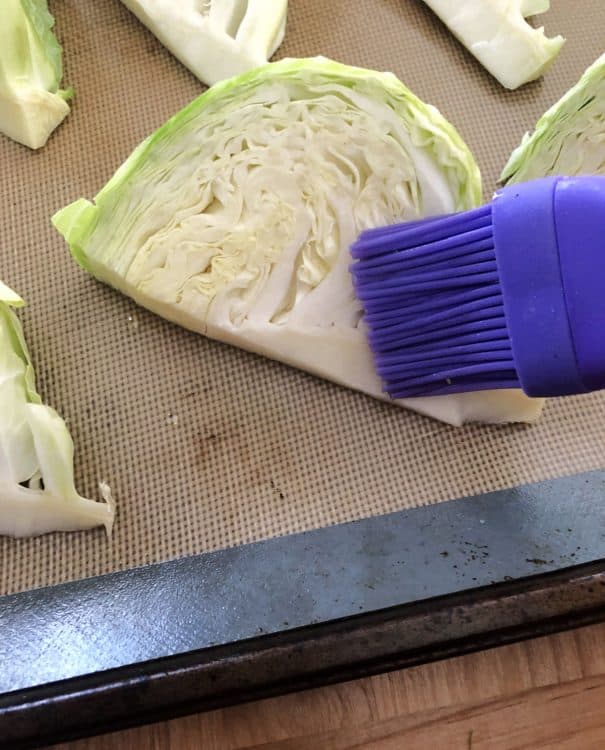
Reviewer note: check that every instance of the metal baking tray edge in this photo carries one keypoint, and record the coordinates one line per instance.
(299, 611)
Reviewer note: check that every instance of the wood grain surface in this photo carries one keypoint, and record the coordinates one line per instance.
(546, 694)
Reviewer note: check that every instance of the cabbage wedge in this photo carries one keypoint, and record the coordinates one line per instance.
(569, 139)
(32, 103)
(37, 492)
(215, 39)
(235, 218)
(497, 34)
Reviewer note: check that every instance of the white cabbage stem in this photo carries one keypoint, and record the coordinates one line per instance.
(215, 39)
(497, 34)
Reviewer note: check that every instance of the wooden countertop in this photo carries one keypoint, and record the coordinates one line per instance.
(545, 694)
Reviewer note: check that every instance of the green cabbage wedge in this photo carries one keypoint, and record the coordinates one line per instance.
(32, 103)
(569, 139)
(235, 218)
(37, 492)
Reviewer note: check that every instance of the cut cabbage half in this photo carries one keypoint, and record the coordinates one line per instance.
(235, 218)
(497, 34)
(569, 139)
(37, 492)
(215, 39)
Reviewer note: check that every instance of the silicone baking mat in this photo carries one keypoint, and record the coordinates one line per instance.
(206, 446)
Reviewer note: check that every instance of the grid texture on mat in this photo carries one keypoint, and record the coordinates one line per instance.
(206, 446)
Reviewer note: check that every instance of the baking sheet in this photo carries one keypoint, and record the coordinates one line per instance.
(206, 446)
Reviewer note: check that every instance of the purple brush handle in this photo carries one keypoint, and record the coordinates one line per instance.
(580, 218)
(550, 248)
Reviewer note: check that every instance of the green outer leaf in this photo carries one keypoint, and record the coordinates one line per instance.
(43, 22)
(554, 125)
(9, 299)
(77, 221)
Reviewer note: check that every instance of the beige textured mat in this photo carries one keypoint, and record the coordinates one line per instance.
(206, 446)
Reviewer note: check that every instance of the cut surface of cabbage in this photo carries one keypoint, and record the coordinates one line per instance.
(215, 39)
(569, 139)
(235, 218)
(37, 492)
(32, 103)
(497, 34)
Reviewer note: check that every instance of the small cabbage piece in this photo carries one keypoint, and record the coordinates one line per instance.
(31, 102)
(235, 218)
(569, 139)
(215, 39)
(37, 492)
(497, 34)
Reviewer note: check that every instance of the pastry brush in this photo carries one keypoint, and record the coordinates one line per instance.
(508, 295)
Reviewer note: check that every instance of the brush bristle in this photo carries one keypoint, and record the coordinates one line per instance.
(433, 305)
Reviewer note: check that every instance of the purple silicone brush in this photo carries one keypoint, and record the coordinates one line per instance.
(509, 295)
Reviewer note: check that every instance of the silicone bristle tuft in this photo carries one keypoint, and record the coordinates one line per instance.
(433, 305)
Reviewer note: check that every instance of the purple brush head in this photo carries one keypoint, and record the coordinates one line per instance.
(509, 295)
